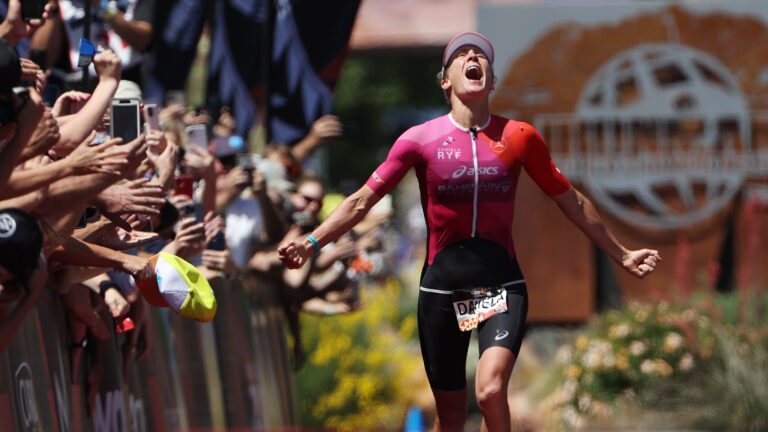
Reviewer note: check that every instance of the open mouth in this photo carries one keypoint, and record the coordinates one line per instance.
(473, 73)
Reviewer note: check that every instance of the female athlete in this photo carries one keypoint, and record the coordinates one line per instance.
(467, 163)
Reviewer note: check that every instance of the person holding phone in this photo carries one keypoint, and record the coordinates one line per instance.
(16, 26)
(124, 27)
(468, 162)
(90, 116)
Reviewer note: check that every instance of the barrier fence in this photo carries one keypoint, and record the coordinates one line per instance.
(232, 373)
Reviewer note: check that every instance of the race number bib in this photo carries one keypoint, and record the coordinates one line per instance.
(475, 306)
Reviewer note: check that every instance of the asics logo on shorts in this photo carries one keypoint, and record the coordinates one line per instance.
(501, 334)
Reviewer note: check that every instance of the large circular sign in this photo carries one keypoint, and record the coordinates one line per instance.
(663, 131)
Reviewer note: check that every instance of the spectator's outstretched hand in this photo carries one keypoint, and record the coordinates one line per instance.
(46, 135)
(119, 239)
(136, 196)
(198, 162)
(65, 104)
(137, 152)
(220, 261)
(156, 141)
(31, 112)
(32, 72)
(189, 240)
(196, 118)
(236, 180)
(213, 224)
(102, 158)
(164, 162)
(117, 304)
(138, 267)
(327, 126)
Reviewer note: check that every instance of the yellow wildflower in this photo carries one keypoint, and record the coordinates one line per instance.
(573, 371)
(622, 362)
(582, 343)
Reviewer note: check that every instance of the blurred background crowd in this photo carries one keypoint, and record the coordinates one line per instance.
(82, 210)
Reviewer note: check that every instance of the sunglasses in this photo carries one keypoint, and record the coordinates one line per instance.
(310, 199)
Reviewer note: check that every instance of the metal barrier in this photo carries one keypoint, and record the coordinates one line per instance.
(232, 373)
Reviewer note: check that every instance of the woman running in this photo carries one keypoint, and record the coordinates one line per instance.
(468, 163)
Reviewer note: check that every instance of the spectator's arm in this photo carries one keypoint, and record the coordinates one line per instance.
(327, 126)
(265, 260)
(78, 190)
(84, 160)
(200, 164)
(64, 278)
(49, 37)
(137, 34)
(274, 229)
(80, 253)
(74, 131)
(164, 162)
(27, 202)
(25, 181)
(321, 281)
(322, 306)
(342, 249)
(26, 124)
(230, 187)
(71, 192)
(45, 136)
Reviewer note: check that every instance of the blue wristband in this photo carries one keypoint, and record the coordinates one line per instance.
(313, 240)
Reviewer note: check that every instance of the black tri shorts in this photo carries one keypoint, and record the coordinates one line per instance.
(467, 264)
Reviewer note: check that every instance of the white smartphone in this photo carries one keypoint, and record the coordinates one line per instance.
(124, 122)
(197, 135)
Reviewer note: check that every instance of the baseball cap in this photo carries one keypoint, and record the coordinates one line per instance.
(468, 38)
(21, 241)
(128, 90)
(180, 286)
(10, 67)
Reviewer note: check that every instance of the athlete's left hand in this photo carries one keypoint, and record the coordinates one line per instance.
(641, 262)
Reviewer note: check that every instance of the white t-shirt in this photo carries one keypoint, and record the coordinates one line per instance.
(244, 227)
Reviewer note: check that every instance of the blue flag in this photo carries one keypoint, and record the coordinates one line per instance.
(309, 42)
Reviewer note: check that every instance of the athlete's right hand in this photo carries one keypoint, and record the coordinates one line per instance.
(293, 254)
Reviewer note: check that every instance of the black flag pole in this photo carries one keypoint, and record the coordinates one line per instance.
(86, 35)
(267, 45)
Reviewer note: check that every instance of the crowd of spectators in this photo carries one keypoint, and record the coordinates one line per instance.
(82, 212)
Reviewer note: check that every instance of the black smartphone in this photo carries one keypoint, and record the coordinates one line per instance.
(245, 161)
(217, 243)
(32, 9)
(39, 57)
(125, 122)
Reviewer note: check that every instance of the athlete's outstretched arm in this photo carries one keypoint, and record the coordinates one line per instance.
(294, 253)
(583, 214)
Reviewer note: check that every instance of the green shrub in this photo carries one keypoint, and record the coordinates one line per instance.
(701, 363)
